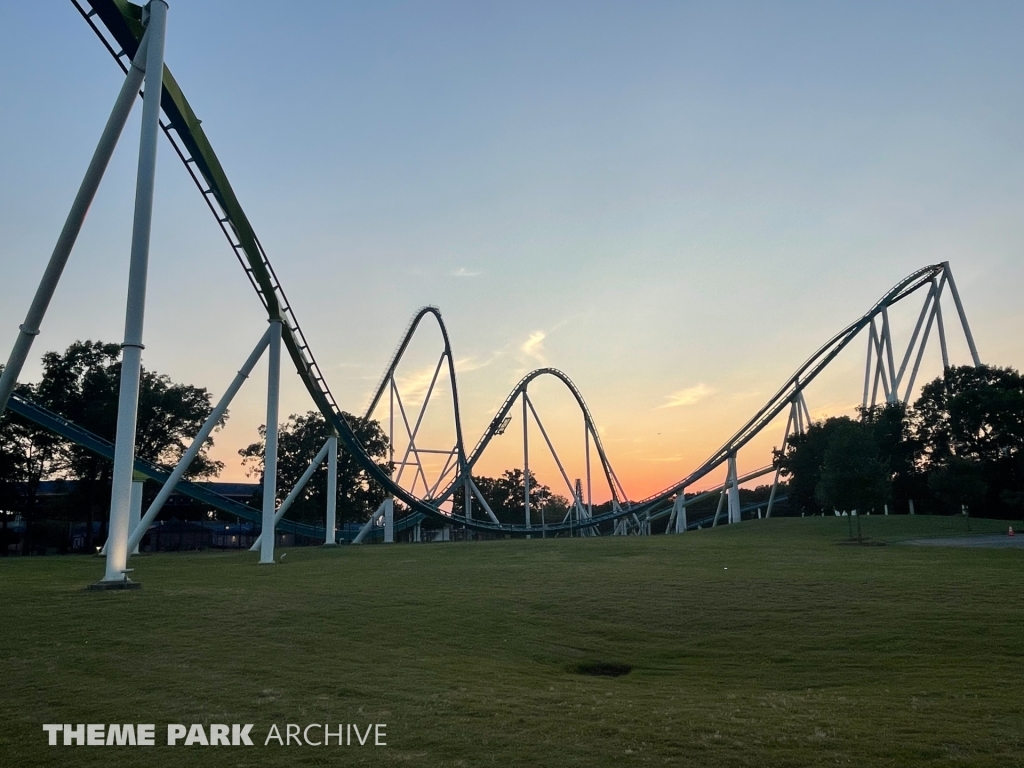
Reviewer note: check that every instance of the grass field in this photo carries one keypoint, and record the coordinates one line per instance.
(763, 644)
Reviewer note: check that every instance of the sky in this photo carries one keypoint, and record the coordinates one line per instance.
(674, 203)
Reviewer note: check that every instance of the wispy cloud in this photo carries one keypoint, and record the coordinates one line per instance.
(463, 272)
(534, 346)
(414, 385)
(688, 396)
(467, 364)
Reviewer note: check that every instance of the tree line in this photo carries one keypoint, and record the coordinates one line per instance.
(958, 449)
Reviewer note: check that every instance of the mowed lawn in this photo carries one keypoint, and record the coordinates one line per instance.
(763, 644)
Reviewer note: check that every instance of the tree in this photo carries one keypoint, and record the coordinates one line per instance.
(853, 478)
(82, 384)
(29, 454)
(959, 483)
(802, 460)
(298, 442)
(971, 412)
(898, 449)
(968, 425)
(505, 495)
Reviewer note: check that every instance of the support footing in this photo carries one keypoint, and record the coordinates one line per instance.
(107, 586)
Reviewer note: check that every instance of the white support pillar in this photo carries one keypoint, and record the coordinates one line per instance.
(791, 424)
(331, 528)
(963, 315)
(73, 224)
(680, 511)
(483, 503)
(891, 395)
(867, 366)
(586, 457)
(526, 464)
(942, 337)
(270, 448)
(369, 524)
(294, 494)
(721, 501)
(135, 514)
(389, 520)
(734, 491)
(131, 355)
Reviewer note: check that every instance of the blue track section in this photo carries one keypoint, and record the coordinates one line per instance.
(92, 442)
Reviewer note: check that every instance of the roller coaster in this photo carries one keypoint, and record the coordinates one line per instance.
(124, 29)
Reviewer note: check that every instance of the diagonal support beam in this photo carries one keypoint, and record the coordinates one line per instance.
(290, 499)
(197, 443)
(73, 224)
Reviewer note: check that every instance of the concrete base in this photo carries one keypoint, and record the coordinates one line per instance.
(331, 544)
(107, 586)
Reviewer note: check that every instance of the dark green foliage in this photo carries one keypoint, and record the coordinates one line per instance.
(82, 384)
(801, 462)
(299, 441)
(969, 432)
(853, 478)
(506, 493)
(973, 413)
(962, 444)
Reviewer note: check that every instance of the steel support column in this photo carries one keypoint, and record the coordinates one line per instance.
(131, 355)
(526, 463)
(963, 315)
(270, 444)
(331, 532)
(389, 520)
(734, 491)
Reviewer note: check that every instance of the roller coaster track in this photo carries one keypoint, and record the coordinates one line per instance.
(120, 29)
(102, 447)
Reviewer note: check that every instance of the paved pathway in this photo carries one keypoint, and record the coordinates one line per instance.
(998, 541)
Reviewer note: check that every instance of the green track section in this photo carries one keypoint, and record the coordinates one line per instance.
(123, 22)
